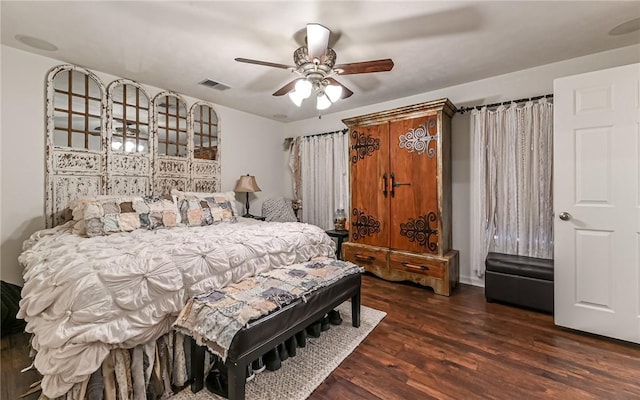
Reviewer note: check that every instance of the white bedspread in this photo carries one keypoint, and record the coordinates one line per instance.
(85, 296)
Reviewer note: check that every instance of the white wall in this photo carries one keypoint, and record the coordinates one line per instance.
(250, 144)
(521, 84)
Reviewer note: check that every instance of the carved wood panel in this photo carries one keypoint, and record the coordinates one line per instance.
(77, 161)
(174, 150)
(120, 154)
(206, 185)
(129, 139)
(165, 184)
(130, 165)
(68, 187)
(75, 151)
(129, 185)
(205, 167)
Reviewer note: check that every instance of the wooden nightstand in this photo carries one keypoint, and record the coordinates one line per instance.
(341, 236)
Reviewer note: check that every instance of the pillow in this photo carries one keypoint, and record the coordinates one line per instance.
(112, 214)
(200, 211)
(162, 212)
(76, 206)
(221, 208)
(230, 197)
(278, 210)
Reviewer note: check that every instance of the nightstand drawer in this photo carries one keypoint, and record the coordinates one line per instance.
(365, 256)
(417, 264)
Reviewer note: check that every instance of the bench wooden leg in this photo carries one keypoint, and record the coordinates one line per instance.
(355, 310)
(237, 375)
(197, 366)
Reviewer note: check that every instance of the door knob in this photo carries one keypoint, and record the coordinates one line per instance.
(565, 216)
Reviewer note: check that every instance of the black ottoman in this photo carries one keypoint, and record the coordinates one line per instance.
(519, 280)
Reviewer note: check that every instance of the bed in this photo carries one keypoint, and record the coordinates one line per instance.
(85, 299)
(105, 282)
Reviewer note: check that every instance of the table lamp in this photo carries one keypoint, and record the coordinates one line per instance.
(247, 184)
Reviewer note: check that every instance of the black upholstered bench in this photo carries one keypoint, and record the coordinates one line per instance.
(519, 280)
(265, 333)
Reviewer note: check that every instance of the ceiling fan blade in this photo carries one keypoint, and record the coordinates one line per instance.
(365, 67)
(286, 88)
(345, 91)
(317, 40)
(265, 63)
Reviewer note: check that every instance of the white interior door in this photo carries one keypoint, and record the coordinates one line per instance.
(597, 202)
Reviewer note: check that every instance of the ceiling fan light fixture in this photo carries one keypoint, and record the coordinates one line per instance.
(296, 97)
(303, 87)
(323, 102)
(334, 92)
(315, 64)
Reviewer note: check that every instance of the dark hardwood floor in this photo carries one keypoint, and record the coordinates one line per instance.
(458, 347)
(14, 356)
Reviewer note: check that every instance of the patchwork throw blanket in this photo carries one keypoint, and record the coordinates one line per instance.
(84, 297)
(214, 318)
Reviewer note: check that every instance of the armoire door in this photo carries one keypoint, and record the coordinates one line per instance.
(370, 191)
(414, 213)
(597, 202)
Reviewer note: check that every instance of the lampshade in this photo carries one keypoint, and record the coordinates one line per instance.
(323, 102)
(326, 94)
(303, 87)
(247, 183)
(333, 92)
(296, 98)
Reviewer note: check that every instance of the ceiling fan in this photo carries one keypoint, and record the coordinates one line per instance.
(316, 67)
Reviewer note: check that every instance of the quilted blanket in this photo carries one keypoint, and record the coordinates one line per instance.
(214, 318)
(85, 296)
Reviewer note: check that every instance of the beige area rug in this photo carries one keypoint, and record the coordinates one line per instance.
(302, 374)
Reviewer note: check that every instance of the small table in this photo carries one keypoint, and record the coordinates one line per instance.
(341, 236)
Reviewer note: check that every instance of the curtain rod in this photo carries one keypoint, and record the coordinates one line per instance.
(345, 130)
(466, 109)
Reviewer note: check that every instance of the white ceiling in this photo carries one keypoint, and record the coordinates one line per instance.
(176, 44)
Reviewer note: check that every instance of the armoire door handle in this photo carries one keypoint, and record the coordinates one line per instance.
(393, 191)
(384, 184)
(395, 184)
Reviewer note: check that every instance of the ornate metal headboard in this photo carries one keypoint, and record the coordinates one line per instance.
(116, 140)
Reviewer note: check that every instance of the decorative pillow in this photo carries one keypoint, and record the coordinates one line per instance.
(221, 208)
(127, 213)
(200, 211)
(279, 210)
(162, 212)
(191, 211)
(76, 206)
(229, 196)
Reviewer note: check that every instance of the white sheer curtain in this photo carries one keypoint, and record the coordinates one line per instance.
(325, 177)
(512, 156)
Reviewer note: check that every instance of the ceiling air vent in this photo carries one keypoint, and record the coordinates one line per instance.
(214, 85)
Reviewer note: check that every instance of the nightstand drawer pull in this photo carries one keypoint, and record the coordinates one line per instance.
(364, 258)
(420, 267)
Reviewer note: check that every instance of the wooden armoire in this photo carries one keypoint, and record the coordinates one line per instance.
(400, 217)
